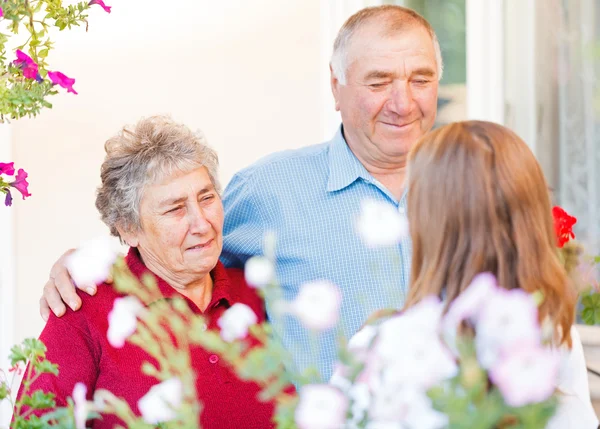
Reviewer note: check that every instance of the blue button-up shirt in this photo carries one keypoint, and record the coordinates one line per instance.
(311, 199)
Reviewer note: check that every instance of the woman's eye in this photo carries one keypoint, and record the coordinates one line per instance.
(174, 209)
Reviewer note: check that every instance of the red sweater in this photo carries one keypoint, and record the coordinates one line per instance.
(77, 343)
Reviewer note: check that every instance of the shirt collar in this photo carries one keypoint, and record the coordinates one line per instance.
(222, 292)
(344, 167)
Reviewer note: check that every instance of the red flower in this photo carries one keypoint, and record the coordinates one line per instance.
(101, 4)
(563, 225)
(7, 168)
(59, 78)
(20, 184)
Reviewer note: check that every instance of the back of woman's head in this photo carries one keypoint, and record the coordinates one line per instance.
(478, 202)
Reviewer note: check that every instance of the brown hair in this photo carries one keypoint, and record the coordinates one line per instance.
(478, 202)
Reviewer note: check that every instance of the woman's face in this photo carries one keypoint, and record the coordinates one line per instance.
(182, 226)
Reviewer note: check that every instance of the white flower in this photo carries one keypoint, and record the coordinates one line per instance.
(161, 402)
(526, 374)
(468, 305)
(259, 271)
(235, 321)
(405, 407)
(92, 261)
(321, 407)
(122, 320)
(80, 405)
(381, 224)
(317, 305)
(507, 317)
(408, 349)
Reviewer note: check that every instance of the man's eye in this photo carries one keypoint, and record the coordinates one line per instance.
(208, 197)
(420, 81)
(378, 85)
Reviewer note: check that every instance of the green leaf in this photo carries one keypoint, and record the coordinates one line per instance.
(39, 400)
(46, 367)
(4, 391)
(43, 53)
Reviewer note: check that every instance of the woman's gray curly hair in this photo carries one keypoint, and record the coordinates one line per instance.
(144, 154)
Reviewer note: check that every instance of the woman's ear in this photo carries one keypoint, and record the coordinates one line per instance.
(129, 237)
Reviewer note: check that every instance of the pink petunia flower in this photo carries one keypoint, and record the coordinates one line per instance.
(101, 4)
(30, 68)
(7, 168)
(66, 82)
(20, 184)
(1, 13)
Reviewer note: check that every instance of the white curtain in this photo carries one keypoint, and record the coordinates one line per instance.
(578, 70)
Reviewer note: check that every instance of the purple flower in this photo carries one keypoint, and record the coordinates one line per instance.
(8, 199)
(101, 4)
(24, 61)
(59, 78)
(20, 184)
(7, 168)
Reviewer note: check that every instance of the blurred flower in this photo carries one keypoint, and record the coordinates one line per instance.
(1, 13)
(527, 374)
(405, 407)
(467, 306)
(8, 199)
(507, 317)
(80, 405)
(321, 407)
(235, 321)
(380, 224)
(20, 183)
(408, 349)
(92, 261)
(122, 320)
(7, 168)
(101, 4)
(317, 305)
(259, 271)
(563, 225)
(161, 402)
(29, 67)
(59, 78)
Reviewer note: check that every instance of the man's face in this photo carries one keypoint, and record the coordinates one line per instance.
(390, 97)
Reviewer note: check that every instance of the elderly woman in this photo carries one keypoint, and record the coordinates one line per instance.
(160, 195)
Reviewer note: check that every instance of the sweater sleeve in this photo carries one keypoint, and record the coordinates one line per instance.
(70, 346)
(575, 407)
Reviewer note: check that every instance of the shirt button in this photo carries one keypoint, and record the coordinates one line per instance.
(204, 327)
(213, 359)
(401, 210)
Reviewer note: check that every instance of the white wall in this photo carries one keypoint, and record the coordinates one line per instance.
(248, 73)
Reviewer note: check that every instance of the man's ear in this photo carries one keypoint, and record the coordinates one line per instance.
(335, 88)
(130, 238)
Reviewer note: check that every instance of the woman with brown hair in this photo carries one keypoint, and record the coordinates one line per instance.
(479, 202)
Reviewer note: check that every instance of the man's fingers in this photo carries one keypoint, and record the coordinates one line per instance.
(51, 301)
(66, 289)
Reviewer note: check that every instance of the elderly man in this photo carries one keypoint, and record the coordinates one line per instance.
(385, 69)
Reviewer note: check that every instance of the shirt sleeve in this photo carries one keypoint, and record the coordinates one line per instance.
(575, 407)
(244, 224)
(73, 350)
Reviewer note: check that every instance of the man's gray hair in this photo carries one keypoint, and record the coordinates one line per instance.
(142, 155)
(395, 19)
